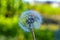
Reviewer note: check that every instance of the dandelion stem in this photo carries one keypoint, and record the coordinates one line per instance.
(33, 34)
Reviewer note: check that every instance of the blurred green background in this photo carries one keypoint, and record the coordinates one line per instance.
(10, 10)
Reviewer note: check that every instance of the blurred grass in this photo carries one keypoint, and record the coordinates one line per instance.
(9, 28)
(10, 10)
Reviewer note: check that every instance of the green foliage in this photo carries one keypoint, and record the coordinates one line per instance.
(9, 12)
